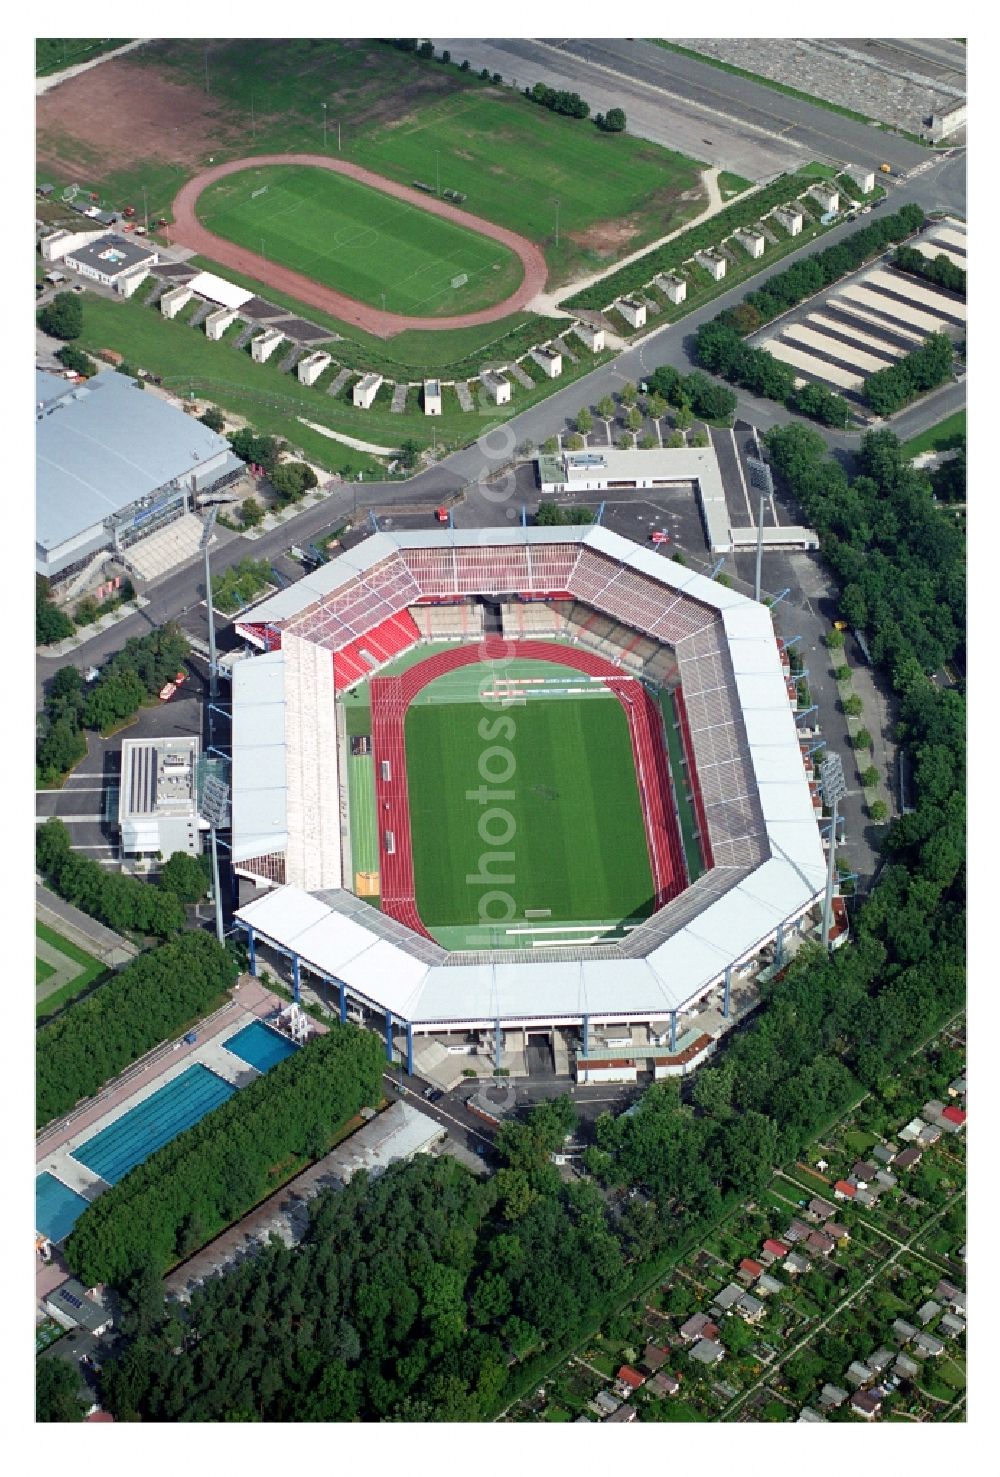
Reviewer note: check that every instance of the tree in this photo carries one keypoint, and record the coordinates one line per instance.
(879, 811)
(57, 1391)
(853, 706)
(862, 739)
(584, 421)
(606, 408)
(426, 50)
(869, 777)
(648, 442)
(633, 418)
(656, 406)
(51, 624)
(76, 360)
(251, 512)
(213, 419)
(574, 442)
(842, 674)
(62, 317)
(834, 639)
(613, 121)
(700, 438)
(629, 393)
(683, 419)
(409, 452)
(675, 440)
(185, 877)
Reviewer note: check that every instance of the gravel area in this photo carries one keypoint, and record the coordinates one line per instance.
(891, 87)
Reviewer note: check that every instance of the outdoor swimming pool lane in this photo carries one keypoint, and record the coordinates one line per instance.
(130, 1139)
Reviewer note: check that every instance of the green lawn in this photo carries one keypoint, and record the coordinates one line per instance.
(578, 840)
(364, 827)
(356, 239)
(53, 55)
(91, 971)
(946, 435)
(412, 119)
(188, 363)
(43, 971)
(732, 184)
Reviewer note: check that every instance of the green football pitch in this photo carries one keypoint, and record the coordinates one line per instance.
(351, 237)
(572, 801)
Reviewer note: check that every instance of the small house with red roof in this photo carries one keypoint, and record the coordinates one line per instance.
(628, 1380)
(954, 1115)
(843, 1191)
(749, 1270)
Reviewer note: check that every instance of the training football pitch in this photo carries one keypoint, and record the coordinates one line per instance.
(569, 812)
(354, 238)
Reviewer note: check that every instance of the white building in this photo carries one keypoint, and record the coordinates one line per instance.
(216, 323)
(432, 397)
(790, 216)
(713, 262)
(173, 301)
(312, 366)
(673, 285)
(496, 387)
(264, 345)
(109, 258)
(158, 798)
(365, 390)
(632, 310)
(550, 360)
(862, 176)
(752, 241)
(56, 246)
(592, 337)
(827, 196)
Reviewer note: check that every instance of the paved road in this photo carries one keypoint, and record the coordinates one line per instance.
(691, 106)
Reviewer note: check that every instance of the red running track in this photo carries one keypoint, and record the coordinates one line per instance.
(187, 230)
(390, 698)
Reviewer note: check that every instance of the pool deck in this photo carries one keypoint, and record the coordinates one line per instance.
(250, 1002)
(53, 1150)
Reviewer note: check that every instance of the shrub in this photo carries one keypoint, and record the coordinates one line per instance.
(62, 317)
(213, 418)
(862, 739)
(878, 810)
(76, 360)
(853, 706)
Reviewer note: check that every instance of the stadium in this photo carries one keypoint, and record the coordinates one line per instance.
(514, 783)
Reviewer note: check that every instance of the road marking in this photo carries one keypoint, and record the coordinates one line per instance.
(83, 790)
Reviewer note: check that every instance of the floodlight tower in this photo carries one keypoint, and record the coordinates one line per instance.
(760, 477)
(213, 670)
(833, 788)
(215, 809)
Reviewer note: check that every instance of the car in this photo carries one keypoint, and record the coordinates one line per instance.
(428, 1093)
(435, 1096)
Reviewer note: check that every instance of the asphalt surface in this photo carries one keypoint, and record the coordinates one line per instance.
(692, 106)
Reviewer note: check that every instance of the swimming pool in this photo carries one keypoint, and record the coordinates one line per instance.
(153, 1123)
(57, 1207)
(260, 1046)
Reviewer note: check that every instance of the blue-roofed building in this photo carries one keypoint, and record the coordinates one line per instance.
(114, 464)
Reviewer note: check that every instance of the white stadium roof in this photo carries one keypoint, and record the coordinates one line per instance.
(761, 880)
(218, 290)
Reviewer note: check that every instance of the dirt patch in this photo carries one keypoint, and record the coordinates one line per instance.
(606, 238)
(120, 114)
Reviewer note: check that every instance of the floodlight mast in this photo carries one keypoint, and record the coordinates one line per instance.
(214, 806)
(833, 788)
(213, 669)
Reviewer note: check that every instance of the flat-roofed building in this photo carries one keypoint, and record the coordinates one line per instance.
(550, 360)
(673, 285)
(752, 241)
(109, 258)
(495, 387)
(713, 262)
(432, 397)
(312, 366)
(365, 390)
(591, 336)
(633, 310)
(158, 798)
(792, 217)
(264, 345)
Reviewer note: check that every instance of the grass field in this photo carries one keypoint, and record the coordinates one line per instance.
(361, 800)
(512, 159)
(272, 401)
(90, 969)
(578, 840)
(54, 55)
(369, 245)
(946, 435)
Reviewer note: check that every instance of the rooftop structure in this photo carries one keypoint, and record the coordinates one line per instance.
(110, 257)
(158, 798)
(112, 464)
(767, 868)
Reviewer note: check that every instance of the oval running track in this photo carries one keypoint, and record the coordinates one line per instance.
(188, 231)
(391, 697)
